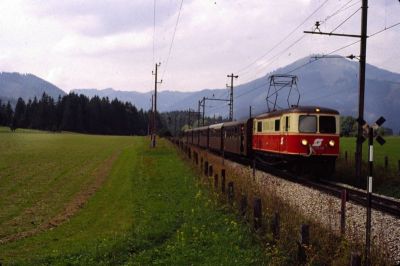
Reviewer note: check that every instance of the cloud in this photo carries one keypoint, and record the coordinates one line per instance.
(104, 17)
(99, 46)
(109, 43)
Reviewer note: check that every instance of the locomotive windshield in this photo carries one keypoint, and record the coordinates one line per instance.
(308, 123)
(327, 124)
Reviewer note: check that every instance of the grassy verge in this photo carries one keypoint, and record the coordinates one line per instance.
(234, 185)
(391, 149)
(149, 209)
(386, 180)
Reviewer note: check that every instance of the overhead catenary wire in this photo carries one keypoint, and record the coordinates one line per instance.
(282, 40)
(277, 56)
(344, 21)
(343, 47)
(384, 29)
(323, 56)
(154, 30)
(172, 40)
(343, 8)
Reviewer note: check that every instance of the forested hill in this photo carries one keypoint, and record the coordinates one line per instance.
(26, 86)
(76, 113)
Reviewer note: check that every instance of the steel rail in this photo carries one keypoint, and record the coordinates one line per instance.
(381, 203)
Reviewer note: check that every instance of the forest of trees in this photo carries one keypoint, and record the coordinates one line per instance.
(76, 113)
(348, 127)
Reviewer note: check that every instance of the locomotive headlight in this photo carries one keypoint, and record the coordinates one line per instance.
(304, 142)
(332, 143)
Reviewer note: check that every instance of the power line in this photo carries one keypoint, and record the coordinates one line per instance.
(324, 56)
(276, 56)
(284, 39)
(154, 30)
(338, 11)
(253, 89)
(343, 47)
(346, 20)
(384, 29)
(173, 38)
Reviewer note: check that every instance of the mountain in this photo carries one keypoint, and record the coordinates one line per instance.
(26, 86)
(166, 99)
(329, 82)
(332, 82)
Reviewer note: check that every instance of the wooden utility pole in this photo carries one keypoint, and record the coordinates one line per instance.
(154, 128)
(204, 107)
(198, 114)
(361, 82)
(231, 96)
(202, 104)
(150, 129)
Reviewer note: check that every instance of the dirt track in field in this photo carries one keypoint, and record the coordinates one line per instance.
(71, 208)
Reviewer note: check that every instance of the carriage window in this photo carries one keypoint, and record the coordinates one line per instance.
(308, 123)
(327, 124)
(259, 126)
(277, 124)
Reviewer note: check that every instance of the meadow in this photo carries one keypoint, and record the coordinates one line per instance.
(391, 149)
(386, 180)
(88, 200)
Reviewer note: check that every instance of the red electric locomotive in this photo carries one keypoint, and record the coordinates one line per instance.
(304, 137)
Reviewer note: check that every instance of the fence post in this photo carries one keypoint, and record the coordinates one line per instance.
(210, 170)
(206, 168)
(254, 169)
(275, 227)
(223, 180)
(216, 181)
(243, 205)
(386, 162)
(303, 243)
(398, 166)
(345, 156)
(257, 213)
(230, 192)
(355, 259)
(343, 212)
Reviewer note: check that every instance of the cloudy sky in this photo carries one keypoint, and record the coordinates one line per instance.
(109, 43)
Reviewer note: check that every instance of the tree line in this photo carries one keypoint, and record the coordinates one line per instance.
(349, 125)
(76, 113)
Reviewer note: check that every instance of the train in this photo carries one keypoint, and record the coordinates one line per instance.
(301, 139)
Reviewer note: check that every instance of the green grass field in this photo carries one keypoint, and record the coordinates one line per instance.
(391, 149)
(386, 181)
(79, 199)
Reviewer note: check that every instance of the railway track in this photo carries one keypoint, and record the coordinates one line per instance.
(381, 203)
